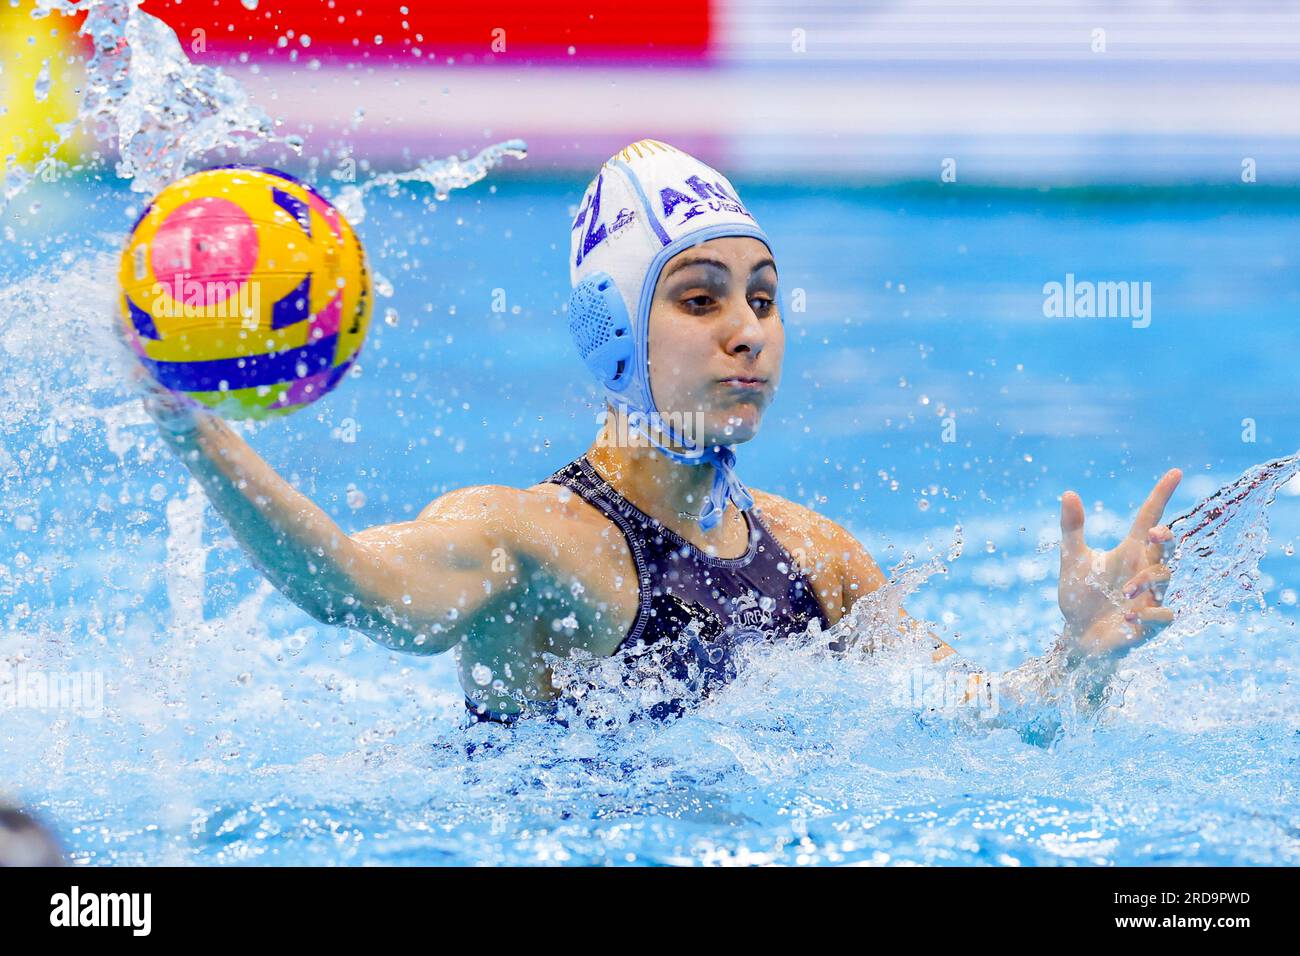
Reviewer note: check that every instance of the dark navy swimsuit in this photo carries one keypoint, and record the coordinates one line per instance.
(760, 595)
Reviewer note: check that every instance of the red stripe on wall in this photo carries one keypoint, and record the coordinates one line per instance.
(540, 29)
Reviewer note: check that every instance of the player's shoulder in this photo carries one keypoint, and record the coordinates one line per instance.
(506, 508)
(823, 547)
(798, 526)
(493, 505)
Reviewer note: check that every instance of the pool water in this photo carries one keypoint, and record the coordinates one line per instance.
(235, 729)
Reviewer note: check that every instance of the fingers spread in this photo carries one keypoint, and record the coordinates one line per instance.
(1160, 544)
(171, 411)
(1149, 514)
(1150, 620)
(1071, 524)
(1153, 508)
(1151, 578)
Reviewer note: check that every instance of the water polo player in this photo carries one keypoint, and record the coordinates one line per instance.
(650, 534)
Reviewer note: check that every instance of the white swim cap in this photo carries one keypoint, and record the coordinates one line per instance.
(649, 202)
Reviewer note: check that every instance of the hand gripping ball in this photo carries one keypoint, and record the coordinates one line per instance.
(244, 291)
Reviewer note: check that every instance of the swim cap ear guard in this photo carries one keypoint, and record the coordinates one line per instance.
(648, 203)
(600, 327)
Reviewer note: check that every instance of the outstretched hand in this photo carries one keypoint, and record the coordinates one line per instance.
(171, 412)
(1111, 599)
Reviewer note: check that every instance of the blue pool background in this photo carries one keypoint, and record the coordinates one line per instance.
(236, 729)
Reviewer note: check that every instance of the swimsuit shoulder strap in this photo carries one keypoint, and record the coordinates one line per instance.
(577, 476)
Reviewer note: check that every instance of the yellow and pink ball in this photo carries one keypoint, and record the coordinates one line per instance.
(244, 291)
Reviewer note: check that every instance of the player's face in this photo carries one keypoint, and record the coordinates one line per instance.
(716, 338)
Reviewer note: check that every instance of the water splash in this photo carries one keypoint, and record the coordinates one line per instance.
(1215, 568)
(144, 97)
(1219, 545)
(443, 175)
(238, 732)
(160, 111)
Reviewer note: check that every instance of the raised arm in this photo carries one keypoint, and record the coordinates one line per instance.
(860, 575)
(1110, 600)
(415, 586)
(997, 700)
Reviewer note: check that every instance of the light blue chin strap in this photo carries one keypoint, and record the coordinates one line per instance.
(727, 486)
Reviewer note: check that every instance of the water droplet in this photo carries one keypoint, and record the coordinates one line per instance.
(390, 317)
(42, 87)
(249, 4)
(356, 498)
